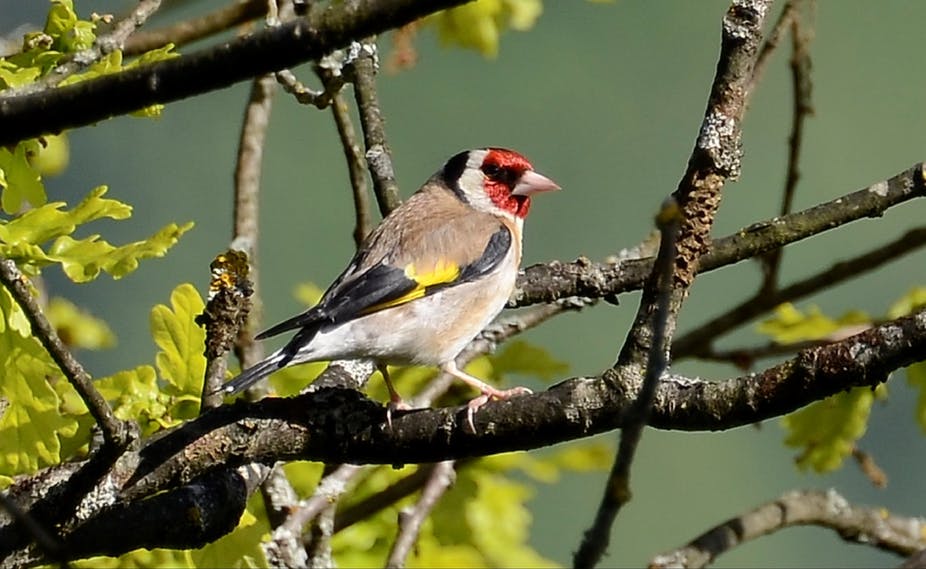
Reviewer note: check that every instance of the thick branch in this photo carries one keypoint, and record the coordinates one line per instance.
(338, 425)
(271, 49)
(341, 425)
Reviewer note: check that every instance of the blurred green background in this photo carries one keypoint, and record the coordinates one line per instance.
(607, 100)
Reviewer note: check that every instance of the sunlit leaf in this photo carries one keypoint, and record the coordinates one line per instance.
(908, 303)
(181, 361)
(526, 359)
(32, 423)
(478, 25)
(78, 328)
(21, 181)
(916, 376)
(826, 431)
(790, 325)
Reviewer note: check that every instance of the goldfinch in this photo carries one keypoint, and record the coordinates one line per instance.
(427, 280)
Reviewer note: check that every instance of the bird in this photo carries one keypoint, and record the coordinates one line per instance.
(431, 276)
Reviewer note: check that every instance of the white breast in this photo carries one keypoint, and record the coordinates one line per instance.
(426, 331)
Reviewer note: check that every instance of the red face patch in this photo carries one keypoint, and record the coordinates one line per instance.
(503, 168)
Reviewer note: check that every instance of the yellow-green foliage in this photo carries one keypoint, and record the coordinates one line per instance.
(479, 24)
(827, 431)
(916, 373)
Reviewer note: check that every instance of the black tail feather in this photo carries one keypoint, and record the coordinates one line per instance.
(277, 360)
(254, 374)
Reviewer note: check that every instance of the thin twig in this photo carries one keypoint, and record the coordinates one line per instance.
(870, 468)
(356, 168)
(329, 489)
(116, 433)
(788, 14)
(745, 357)
(318, 544)
(379, 157)
(303, 94)
(198, 28)
(410, 521)
(802, 88)
(696, 342)
(617, 488)
(248, 170)
(874, 527)
(363, 509)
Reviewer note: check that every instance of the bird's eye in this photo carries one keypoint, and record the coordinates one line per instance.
(492, 171)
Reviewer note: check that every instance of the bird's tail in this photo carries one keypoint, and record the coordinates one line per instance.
(255, 373)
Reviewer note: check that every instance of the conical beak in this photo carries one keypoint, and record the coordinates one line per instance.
(531, 183)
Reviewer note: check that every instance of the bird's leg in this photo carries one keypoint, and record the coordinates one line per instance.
(395, 400)
(488, 392)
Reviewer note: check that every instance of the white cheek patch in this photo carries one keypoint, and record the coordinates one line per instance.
(471, 185)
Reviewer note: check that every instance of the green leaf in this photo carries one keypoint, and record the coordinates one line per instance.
(12, 75)
(303, 476)
(180, 362)
(50, 221)
(526, 359)
(790, 325)
(32, 423)
(21, 182)
(70, 33)
(135, 396)
(51, 156)
(82, 260)
(479, 24)
(916, 376)
(487, 511)
(908, 303)
(77, 328)
(827, 430)
(141, 559)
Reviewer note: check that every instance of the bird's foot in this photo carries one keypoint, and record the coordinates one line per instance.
(489, 393)
(395, 404)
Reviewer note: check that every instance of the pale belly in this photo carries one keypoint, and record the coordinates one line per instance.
(426, 331)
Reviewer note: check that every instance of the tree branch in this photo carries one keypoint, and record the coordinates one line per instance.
(104, 44)
(617, 488)
(697, 341)
(198, 28)
(583, 278)
(802, 88)
(442, 477)
(868, 526)
(378, 154)
(117, 434)
(270, 49)
(340, 425)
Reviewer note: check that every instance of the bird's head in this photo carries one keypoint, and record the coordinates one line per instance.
(495, 180)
